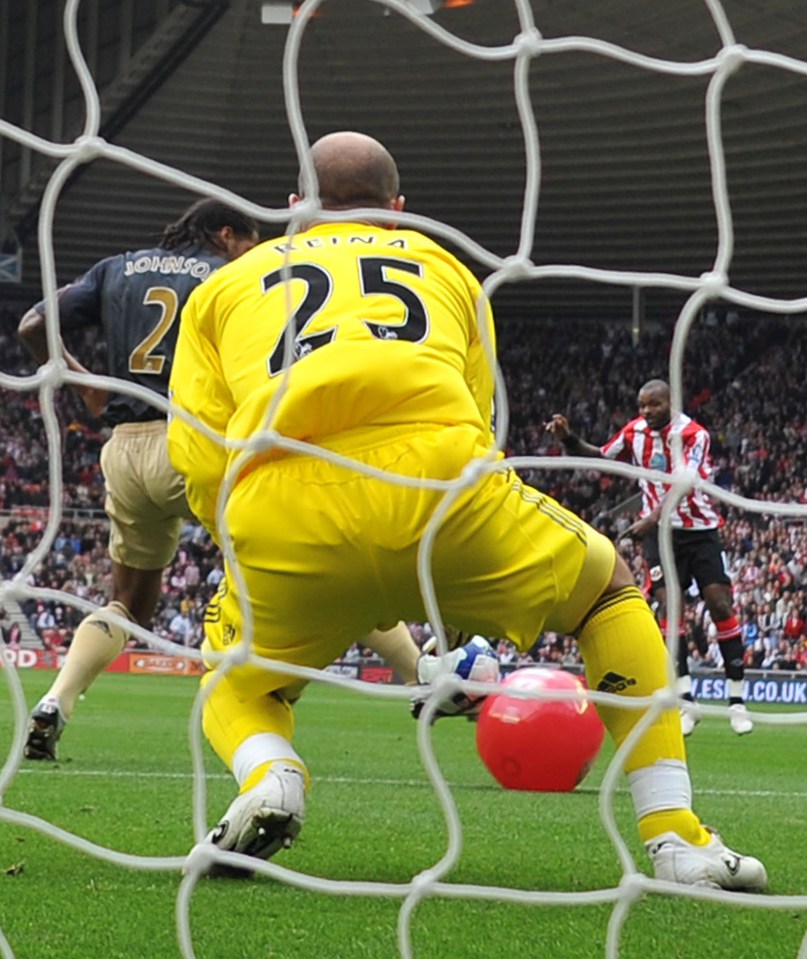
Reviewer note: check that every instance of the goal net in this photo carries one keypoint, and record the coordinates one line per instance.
(712, 285)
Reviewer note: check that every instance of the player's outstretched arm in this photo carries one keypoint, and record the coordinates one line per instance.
(558, 426)
(198, 386)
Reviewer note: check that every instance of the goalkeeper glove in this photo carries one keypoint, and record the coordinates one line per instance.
(475, 661)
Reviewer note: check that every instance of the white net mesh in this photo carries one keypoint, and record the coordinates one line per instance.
(728, 58)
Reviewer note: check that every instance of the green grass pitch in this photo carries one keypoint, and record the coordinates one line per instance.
(124, 780)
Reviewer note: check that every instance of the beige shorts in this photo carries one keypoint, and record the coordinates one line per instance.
(145, 496)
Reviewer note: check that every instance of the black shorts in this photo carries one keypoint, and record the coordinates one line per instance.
(698, 555)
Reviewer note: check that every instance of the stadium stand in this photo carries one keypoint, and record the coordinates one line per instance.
(746, 395)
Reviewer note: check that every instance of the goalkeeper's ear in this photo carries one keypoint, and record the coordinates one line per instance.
(397, 204)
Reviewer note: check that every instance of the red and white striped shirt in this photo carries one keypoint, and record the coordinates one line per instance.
(636, 443)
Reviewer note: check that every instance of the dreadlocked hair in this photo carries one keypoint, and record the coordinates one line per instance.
(201, 222)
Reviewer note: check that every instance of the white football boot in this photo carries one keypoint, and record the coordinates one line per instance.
(690, 716)
(713, 865)
(740, 719)
(264, 819)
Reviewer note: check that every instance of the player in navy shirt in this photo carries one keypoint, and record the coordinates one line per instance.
(136, 299)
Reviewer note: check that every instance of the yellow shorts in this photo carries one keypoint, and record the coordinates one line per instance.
(328, 554)
(145, 496)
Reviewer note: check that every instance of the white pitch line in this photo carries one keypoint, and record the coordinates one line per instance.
(348, 780)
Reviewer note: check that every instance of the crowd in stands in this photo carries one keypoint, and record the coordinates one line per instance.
(744, 380)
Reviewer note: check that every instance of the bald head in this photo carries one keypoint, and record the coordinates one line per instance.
(656, 386)
(354, 170)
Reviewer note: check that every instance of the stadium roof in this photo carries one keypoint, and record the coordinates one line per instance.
(625, 175)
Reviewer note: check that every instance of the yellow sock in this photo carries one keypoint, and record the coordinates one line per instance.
(681, 821)
(624, 652)
(95, 644)
(227, 722)
(261, 728)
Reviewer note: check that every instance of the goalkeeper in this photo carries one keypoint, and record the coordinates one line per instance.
(363, 339)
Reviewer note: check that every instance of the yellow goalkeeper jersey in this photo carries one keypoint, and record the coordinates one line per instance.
(343, 327)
